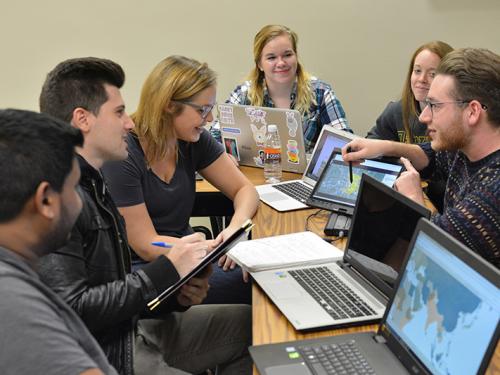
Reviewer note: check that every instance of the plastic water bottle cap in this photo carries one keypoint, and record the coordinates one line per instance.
(272, 128)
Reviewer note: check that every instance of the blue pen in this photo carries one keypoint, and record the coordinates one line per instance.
(162, 244)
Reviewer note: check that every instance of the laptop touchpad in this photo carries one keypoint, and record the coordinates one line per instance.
(292, 369)
(274, 196)
(284, 290)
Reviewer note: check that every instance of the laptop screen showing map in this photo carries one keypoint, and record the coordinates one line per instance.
(443, 310)
(335, 192)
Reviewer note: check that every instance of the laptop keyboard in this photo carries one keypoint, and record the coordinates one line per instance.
(343, 358)
(338, 300)
(295, 190)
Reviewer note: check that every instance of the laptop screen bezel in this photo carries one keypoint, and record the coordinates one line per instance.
(326, 132)
(380, 284)
(407, 357)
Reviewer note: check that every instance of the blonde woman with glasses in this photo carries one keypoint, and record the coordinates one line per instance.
(154, 188)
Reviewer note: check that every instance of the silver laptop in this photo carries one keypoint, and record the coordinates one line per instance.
(442, 319)
(354, 290)
(243, 129)
(292, 195)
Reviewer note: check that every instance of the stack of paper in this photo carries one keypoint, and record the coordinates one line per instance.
(288, 250)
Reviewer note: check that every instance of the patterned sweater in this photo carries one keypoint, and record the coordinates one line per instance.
(471, 210)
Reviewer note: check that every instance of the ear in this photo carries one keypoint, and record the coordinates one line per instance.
(259, 66)
(172, 108)
(80, 119)
(474, 112)
(46, 200)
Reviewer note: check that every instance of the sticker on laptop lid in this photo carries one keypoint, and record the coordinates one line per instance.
(256, 115)
(259, 134)
(226, 115)
(231, 146)
(259, 160)
(231, 130)
(292, 151)
(292, 124)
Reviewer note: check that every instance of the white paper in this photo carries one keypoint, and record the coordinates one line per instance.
(285, 250)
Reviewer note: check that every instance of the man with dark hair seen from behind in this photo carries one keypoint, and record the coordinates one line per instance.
(93, 271)
(463, 121)
(39, 204)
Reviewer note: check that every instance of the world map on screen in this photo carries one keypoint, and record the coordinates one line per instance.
(444, 323)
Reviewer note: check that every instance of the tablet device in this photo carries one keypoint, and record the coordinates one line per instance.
(213, 256)
(334, 190)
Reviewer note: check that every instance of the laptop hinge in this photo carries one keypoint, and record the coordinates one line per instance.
(347, 266)
(379, 339)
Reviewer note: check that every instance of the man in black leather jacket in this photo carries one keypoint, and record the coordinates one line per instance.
(92, 273)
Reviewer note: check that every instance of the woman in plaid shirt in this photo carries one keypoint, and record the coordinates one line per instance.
(279, 80)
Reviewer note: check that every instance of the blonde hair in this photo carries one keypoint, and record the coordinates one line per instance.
(176, 78)
(305, 97)
(409, 104)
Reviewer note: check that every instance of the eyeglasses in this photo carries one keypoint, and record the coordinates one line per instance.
(436, 105)
(203, 110)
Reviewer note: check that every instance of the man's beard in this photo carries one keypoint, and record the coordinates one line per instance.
(60, 235)
(452, 140)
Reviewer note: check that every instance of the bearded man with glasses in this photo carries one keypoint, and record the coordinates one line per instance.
(463, 121)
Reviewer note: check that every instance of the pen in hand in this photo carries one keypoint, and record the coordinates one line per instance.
(350, 165)
(162, 244)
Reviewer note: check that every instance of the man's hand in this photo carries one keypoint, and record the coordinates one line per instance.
(362, 148)
(408, 183)
(196, 289)
(192, 238)
(186, 256)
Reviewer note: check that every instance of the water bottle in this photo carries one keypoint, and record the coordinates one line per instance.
(272, 155)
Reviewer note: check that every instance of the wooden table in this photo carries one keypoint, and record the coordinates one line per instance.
(269, 325)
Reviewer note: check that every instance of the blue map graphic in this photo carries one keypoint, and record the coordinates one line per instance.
(445, 324)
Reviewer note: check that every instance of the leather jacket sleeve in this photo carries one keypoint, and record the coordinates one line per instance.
(87, 275)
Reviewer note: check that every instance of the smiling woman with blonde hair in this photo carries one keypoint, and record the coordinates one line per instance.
(399, 121)
(154, 188)
(279, 80)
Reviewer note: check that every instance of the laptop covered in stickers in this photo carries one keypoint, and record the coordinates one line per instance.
(243, 131)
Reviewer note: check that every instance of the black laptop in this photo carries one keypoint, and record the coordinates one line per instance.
(442, 319)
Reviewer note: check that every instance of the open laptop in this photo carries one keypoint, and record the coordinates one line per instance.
(244, 128)
(334, 190)
(292, 195)
(355, 289)
(442, 319)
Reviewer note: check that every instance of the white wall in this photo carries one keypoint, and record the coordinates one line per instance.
(361, 47)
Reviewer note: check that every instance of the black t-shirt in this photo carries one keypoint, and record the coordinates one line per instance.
(169, 204)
